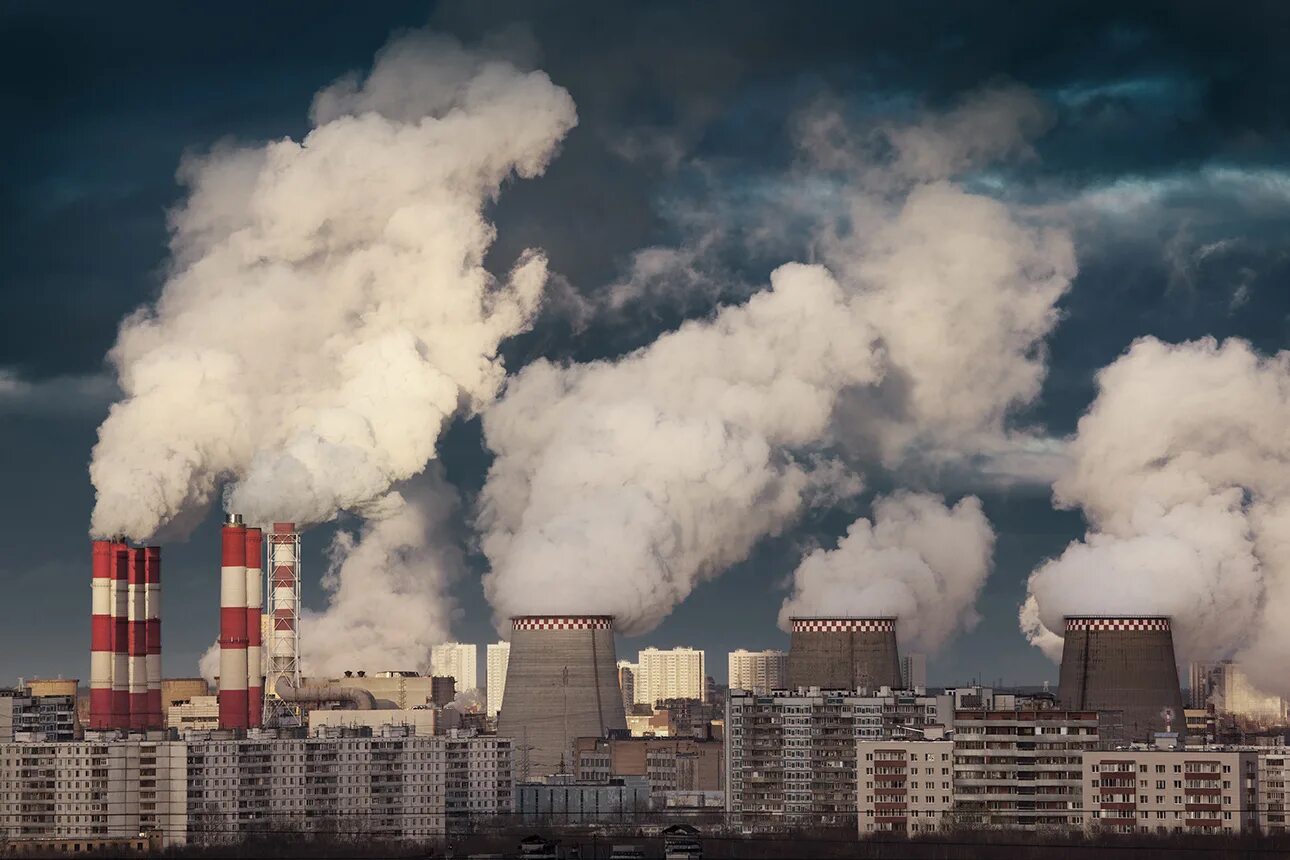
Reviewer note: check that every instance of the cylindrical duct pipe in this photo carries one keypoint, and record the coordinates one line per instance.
(254, 609)
(102, 598)
(152, 613)
(137, 640)
(232, 626)
(120, 636)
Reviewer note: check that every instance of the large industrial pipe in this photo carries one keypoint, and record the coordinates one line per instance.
(232, 626)
(120, 636)
(102, 598)
(152, 613)
(254, 609)
(137, 640)
(360, 699)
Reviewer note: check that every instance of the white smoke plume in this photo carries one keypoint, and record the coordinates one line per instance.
(327, 309)
(1182, 469)
(620, 485)
(918, 560)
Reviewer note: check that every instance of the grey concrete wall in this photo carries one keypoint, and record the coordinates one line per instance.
(560, 685)
(844, 660)
(1133, 672)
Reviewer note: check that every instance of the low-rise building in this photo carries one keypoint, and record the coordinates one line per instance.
(668, 764)
(565, 800)
(905, 786)
(418, 721)
(1163, 791)
(197, 714)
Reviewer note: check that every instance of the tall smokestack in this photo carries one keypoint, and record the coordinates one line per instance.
(561, 684)
(232, 626)
(1125, 664)
(152, 613)
(284, 609)
(120, 636)
(137, 639)
(254, 609)
(102, 603)
(844, 654)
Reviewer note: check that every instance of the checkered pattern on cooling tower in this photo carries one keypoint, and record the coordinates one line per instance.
(844, 625)
(1134, 624)
(562, 622)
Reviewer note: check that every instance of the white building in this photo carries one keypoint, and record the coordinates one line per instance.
(499, 655)
(1225, 685)
(677, 673)
(418, 721)
(913, 671)
(1163, 791)
(758, 671)
(905, 786)
(1273, 796)
(457, 660)
(200, 713)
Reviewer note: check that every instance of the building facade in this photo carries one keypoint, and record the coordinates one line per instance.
(200, 713)
(499, 654)
(905, 786)
(1273, 796)
(1021, 769)
(1164, 791)
(677, 673)
(27, 716)
(565, 800)
(627, 672)
(457, 660)
(795, 755)
(758, 672)
(668, 764)
(913, 671)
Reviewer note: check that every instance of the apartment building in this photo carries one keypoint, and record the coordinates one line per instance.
(479, 775)
(93, 789)
(906, 786)
(757, 672)
(677, 673)
(795, 755)
(27, 716)
(457, 660)
(669, 764)
(1164, 791)
(1273, 796)
(499, 657)
(627, 672)
(1021, 769)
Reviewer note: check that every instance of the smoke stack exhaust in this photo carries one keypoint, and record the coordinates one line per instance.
(1125, 664)
(561, 684)
(152, 612)
(137, 640)
(120, 636)
(232, 626)
(844, 654)
(102, 603)
(254, 610)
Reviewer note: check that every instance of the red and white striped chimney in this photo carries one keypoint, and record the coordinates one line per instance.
(152, 614)
(232, 626)
(254, 610)
(137, 640)
(120, 636)
(102, 601)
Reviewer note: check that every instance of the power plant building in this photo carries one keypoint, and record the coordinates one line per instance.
(561, 684)
(499, 654)
(675, 673)
(855, 654)
(1125, 665)
(757, 671)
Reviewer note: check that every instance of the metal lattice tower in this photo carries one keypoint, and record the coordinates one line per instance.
(283, 643)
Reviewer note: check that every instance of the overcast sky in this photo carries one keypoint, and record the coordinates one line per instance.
(1165, 144)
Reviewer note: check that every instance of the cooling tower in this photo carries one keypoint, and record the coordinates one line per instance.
(561, 684)
(1123, 664)
(844, 654)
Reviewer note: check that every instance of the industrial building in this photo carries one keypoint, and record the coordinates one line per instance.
(794, 754)
(668, 764)
(1123, 664)
(564, 800)
(1169, 791)
(852, 654)
(758, 672)
(499, 655)
(561, 684)
(905, 785)
(456, 660)
(1020, 769)
(200, 714)
(675, 673)
(418, 721)
(394, 689)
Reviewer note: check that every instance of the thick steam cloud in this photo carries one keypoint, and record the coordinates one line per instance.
(918, 560)
(327, 310)
(1182, 469)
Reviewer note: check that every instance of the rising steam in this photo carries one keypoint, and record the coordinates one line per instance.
(1182, 469)
(327, 309)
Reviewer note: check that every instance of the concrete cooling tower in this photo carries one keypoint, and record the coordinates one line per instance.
(1123, 664)
(844, 654)
(561, 684)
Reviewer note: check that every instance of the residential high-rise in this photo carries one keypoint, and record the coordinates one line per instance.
(758, 671)
(499, 654)
(1170, 791)
(627, 671)
(904, 785)
(26, 716)
(677, 673)
(1225, 686)
(913, 671)
(457, 660)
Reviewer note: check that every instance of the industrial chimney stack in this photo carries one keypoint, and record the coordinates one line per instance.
(1124, 664)
(254, 609)
(125, 637)
(232, 626)
(284, 633)
(844, 654)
